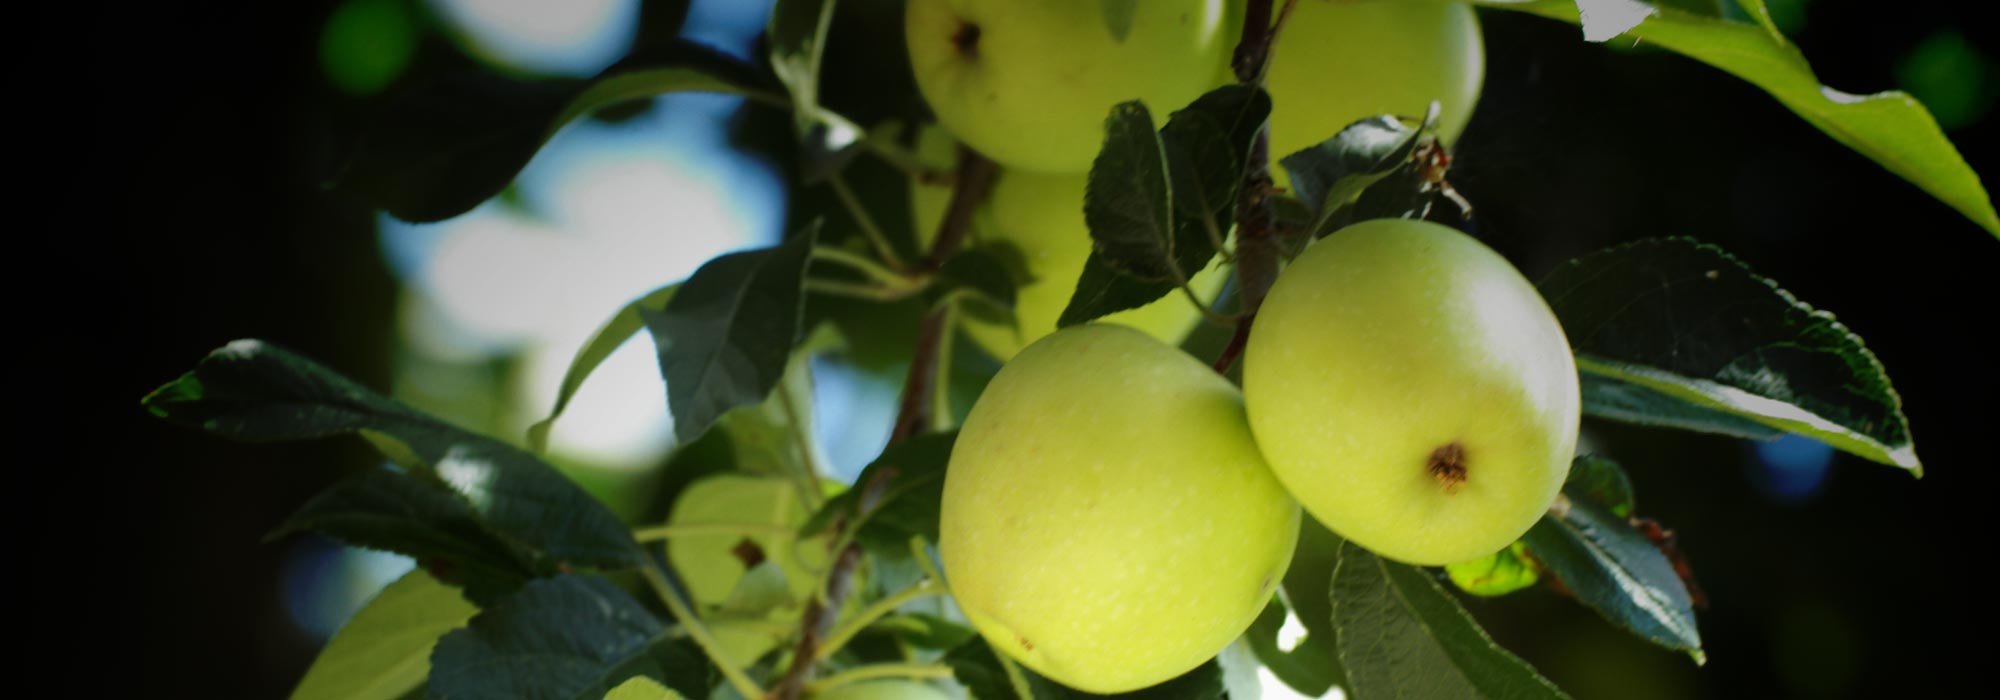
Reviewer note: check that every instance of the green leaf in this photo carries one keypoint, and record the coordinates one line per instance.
(615, 331)
(1127, 202)
(1496, 574)
(1614, 569)
(562, 638)
(255, 392)
(1156, 204)
(926, 631)
(443, 149)
(384, 651)
(1309, 668)
(1606, 397)
(1304, 591)
(727, 333)
(909, 503)
(641, 688)
(1688, 321)
(1890, 128)
(1600, 481)
(1331, 175)
(988, 274)
(385, 509)
(1401, 636)
(761, 590)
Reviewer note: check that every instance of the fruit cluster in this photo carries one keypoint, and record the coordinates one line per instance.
(1402, 381)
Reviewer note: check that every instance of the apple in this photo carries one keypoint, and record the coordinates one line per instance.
(1338, 62)
(1413, 391)
(1029, 82)
(1042, 217)
(1107, 519)
(882, 690)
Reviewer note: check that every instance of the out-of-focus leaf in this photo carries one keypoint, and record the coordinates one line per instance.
(448, 146)
(384, 651)
(459, 494)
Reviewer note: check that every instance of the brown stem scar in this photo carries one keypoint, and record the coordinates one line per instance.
(966, 39)
(1447, 466)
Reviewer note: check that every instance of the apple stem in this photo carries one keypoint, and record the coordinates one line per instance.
(1256, 246)
(975, 179)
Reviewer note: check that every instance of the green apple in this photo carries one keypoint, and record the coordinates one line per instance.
(1338, 62)
(1107, 519)
(1413, 391)
(882, 690)
(1029, 82)
(1042, 217)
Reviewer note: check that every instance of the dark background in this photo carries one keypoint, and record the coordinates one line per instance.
(188, 144)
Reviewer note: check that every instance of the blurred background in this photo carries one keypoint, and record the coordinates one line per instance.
(191, 143)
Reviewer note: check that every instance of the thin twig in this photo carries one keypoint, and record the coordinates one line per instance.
(877, 611)
(709, 645)
(975, 177)
(871, 672)
(876, 238)
(1256, 246)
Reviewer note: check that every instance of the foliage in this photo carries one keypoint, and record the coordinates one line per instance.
(527, 582)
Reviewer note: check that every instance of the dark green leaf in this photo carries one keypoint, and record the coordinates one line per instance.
(384, 651)
(1101, 291)
(1614, 569)
(255, 392)
(975, 665)
(1127, 202)
(1689, 321)
(1606, 397)
(615, 331)
(1401, 636)
(389, 510)
(443, 149)
(1890, 128)
(1600, 481)
(725, 336)
(1309, 668)
(909, 503)
(989, 275)
(564, 638)
(1331, 175)
(1157, 205)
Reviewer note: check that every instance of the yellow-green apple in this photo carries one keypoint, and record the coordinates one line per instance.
(1413, 391)
(1042, 217)
(1030, 82)
(1339, 61)
(1107, 519)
